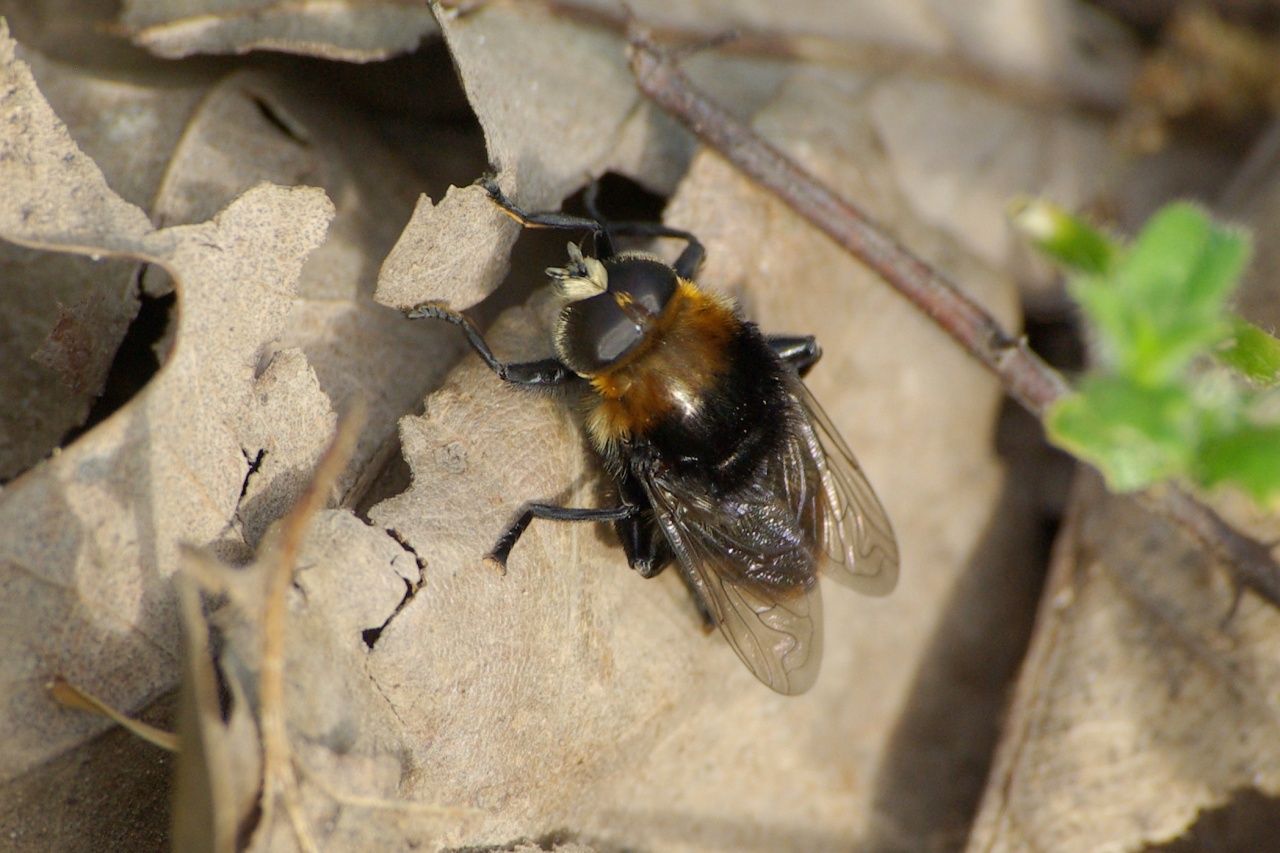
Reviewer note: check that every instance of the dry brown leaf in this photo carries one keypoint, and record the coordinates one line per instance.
(216, 785)
(69, 313)
(92, 534)
(551, 95)
(127, 120)
(65, 316)
(548, 132)
(345, 748)
(253, 127)
(347, 30)
(458, 247)
(1139, 707)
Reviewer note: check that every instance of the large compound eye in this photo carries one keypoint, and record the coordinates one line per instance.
(646, 281)
(594, 333)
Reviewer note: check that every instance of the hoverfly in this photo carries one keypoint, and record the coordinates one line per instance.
(723, 461)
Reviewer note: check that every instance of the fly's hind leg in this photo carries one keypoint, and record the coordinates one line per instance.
(502, 549)
(709, 623)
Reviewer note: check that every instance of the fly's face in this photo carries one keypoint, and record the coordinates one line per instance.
(614, 306)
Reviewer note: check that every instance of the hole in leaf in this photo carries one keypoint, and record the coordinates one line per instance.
(135, 362)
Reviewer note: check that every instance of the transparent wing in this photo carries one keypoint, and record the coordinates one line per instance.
(848, 526)
(747, 562)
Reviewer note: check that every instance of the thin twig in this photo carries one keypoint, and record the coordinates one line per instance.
(1026, 378)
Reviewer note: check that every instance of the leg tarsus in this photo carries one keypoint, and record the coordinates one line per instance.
(551, 219)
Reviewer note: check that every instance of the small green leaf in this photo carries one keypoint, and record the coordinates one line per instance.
(1067, 239)
(1250, 351)
(1249, 457)
(1156, 408)
(1163, 302)
(1135, 434)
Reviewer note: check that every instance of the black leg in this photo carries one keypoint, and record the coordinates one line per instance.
(800, 351)
(686, 266)
(551, 219)
(708, 621)
(589, 199)
(547, 371)
(646, 546)
(502, 550)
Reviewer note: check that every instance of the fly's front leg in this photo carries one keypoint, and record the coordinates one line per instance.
(547, 371)
(603, 231)
(551, 219)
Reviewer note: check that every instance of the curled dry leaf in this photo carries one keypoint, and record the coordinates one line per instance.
(95, 531)
(348, 30)
(65, 315)
(91, 535)
(253, 127)
(69, 312)
(350, 576)
(552, 96)
(461, 243)
(217, 783)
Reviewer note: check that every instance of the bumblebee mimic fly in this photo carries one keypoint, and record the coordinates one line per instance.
(722, 460)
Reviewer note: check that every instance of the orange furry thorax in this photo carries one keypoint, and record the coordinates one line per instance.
(668, 374)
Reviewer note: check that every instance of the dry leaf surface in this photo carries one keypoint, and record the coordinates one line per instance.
(92, 534)
(1139, 707)
(348, 30)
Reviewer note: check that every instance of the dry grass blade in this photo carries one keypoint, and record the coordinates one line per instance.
(279, 777)
(74, 697)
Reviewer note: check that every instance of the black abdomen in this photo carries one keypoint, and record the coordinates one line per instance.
(738, 422)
